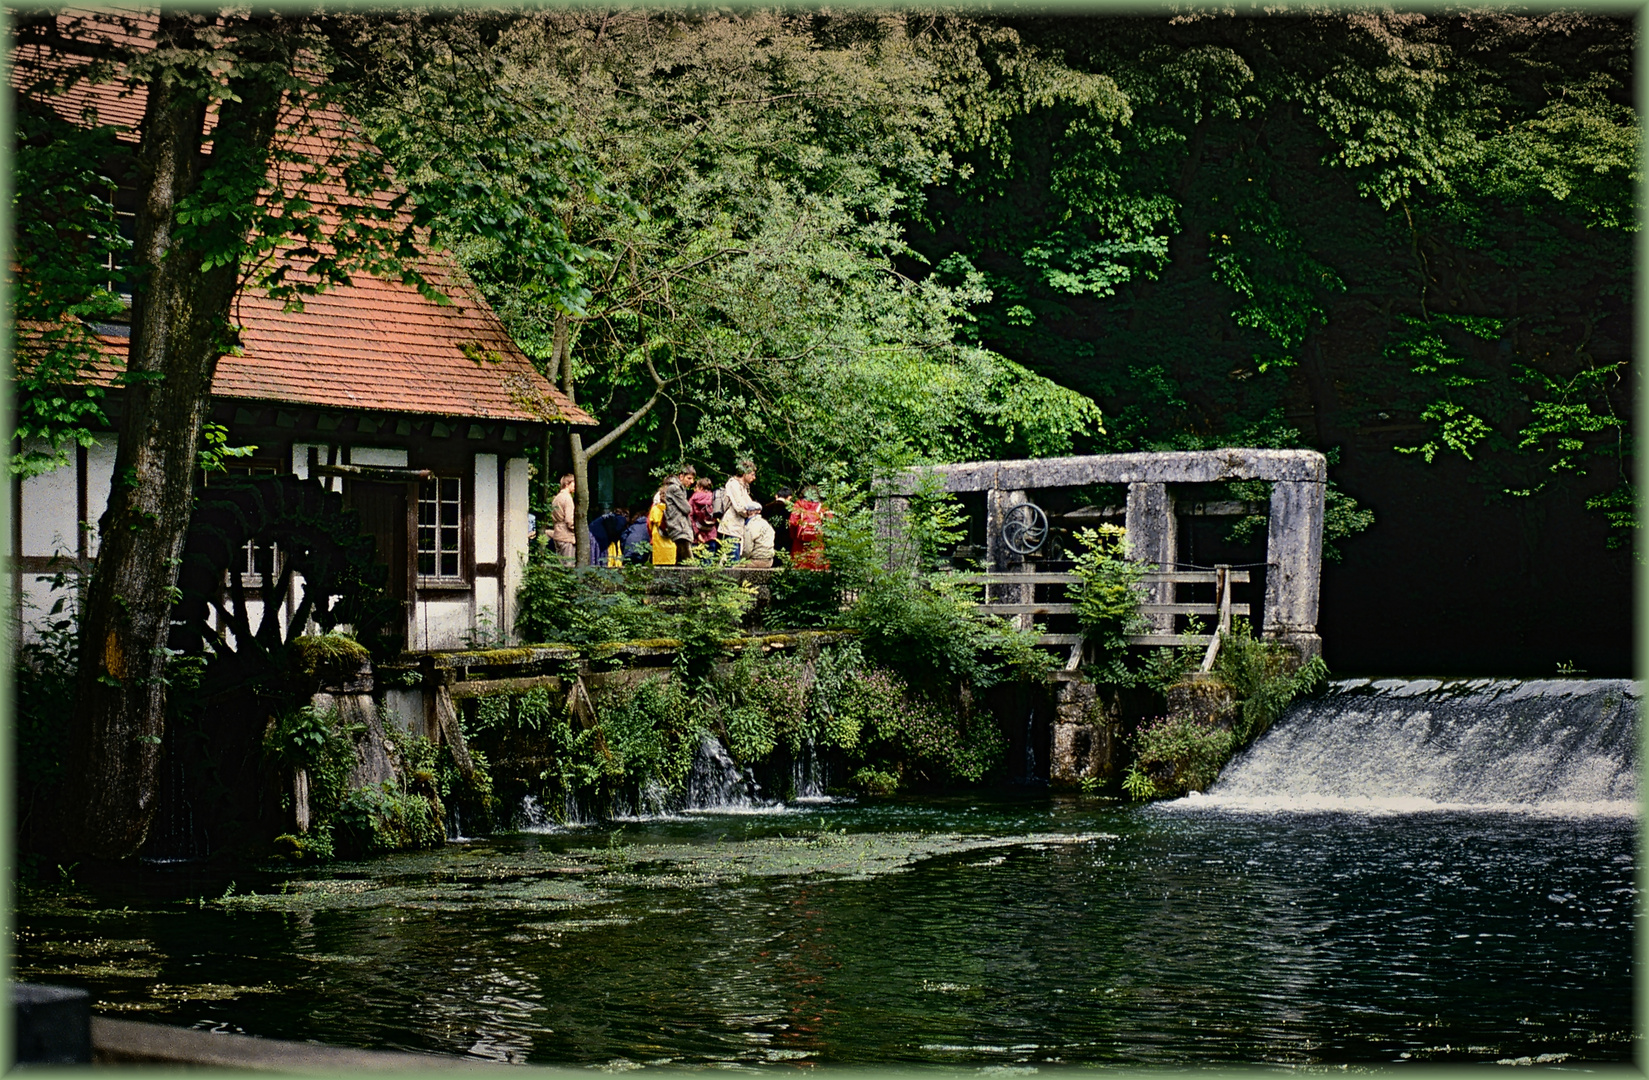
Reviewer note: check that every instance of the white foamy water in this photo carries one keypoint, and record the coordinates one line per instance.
(1565, 748)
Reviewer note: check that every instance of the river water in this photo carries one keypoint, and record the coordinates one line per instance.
(1435, 924)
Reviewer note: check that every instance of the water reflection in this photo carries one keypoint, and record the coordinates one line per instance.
(907, 933)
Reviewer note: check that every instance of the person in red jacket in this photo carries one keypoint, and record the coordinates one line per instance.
(703, 502)
(807, 516)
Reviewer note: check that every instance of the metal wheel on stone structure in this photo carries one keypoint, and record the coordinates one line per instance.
(1024, 529)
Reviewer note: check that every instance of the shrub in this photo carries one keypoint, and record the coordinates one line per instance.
(1177, 754)
(385, 817)
(318, 742)
(545, 603)
(1261, 677)
(805, 599)
(762, 700)
(868, 781)
(861, 706)
(651, 732)
(924, 627)
(1107, 599)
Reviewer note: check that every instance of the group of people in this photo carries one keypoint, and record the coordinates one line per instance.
(689, 518)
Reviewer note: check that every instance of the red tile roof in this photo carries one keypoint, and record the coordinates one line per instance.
(372, 345)
(382, 346)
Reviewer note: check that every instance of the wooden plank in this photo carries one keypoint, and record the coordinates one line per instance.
(1192, 609)
(473, 688)
(1010, 579)
(992, 608)
(1150, 577)
(1194, 577)
(1170, 639)
(1223, 587)
(1138, 639)
(446, 722)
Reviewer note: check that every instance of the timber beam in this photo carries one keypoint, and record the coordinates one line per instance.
(1168, 467)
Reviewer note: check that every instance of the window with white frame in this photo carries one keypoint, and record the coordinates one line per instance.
(441, 529)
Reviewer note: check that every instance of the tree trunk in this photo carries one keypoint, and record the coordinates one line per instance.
(180, 322)
(561, 363)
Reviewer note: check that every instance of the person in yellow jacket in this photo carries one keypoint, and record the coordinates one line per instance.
(664, 548)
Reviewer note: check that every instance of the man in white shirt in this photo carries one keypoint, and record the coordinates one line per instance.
(743, 520)
(561, 520)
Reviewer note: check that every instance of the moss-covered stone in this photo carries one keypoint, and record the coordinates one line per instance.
(329, 659)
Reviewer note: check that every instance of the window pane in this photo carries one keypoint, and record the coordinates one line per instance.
(440, 506)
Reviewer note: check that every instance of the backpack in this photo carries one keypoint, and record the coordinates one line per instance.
(719, 505)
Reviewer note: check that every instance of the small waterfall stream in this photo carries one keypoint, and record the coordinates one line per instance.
(717, 782)
(1547, 746)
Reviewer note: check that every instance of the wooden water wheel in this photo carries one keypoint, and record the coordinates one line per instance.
(267, 559)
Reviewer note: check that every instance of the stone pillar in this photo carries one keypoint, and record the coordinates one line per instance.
(1294, 552)
(1084, 737)
(1153, 537)
(998, 558)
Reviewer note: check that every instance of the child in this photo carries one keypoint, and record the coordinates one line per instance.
(638, 539)
(702, 502)
(664, 548)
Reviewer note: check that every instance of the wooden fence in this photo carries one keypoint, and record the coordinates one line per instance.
(1221, 610)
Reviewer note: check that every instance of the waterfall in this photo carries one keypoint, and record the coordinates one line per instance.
(1549, 746)
(534, 816)
(716, 781)
(809, 774)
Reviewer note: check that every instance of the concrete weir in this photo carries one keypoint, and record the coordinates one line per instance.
(1083, 734)
(1294, 536)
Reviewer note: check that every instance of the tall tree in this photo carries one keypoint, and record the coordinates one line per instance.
(222, 204)
(745, 293)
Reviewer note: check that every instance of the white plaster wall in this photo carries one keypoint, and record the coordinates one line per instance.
(486, 508)
(38, 596)
(387, 456)
(48, 511)
(486, 603)
(300, 463)
(441, 624)
(100, 473)
(515, 537)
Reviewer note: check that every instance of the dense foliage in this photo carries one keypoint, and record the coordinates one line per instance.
(1406, 229)
(636, 747)
(1183, 752)
(852, 237)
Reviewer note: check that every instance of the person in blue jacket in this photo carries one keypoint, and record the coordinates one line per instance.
(605, 531)
(638, 540)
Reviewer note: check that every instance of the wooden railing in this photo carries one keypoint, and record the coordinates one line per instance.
(1221, 610)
